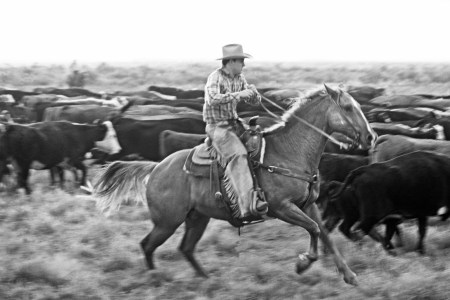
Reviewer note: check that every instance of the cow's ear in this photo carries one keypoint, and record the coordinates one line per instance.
(97, 122)
(333, 190)
(333, 93)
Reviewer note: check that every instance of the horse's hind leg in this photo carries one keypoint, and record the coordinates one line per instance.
(154, 239)
(349, 275)
(195, 227)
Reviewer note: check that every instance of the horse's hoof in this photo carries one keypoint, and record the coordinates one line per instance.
(304, 261)
(351, 279)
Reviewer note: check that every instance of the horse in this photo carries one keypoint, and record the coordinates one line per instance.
(293, 145)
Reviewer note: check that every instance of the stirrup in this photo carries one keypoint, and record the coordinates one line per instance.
(258, 198)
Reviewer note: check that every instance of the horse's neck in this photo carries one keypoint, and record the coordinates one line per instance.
(298, 145)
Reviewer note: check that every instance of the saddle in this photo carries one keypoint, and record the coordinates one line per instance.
(201, 163)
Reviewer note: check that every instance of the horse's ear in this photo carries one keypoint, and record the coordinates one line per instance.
(334, 94)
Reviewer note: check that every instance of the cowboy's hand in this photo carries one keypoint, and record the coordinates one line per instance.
(246, 94)
(256, 96)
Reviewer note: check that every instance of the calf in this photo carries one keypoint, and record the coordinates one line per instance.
(414, 185)
(336, 167)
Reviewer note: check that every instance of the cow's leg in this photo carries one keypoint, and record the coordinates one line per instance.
(331, 223)
(159, 234)
(22, 178)
(291, 214)
(349, 275)
(422, 231)
(60, 171)
(52, 176)
(346, 225)
(367, 225)
(195, 227)
(80, 166)
(399, 235)
(391, 228)
(376, 236)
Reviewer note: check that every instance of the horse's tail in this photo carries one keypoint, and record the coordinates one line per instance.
(120, 181)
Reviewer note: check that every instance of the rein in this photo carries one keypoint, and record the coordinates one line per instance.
(329, 137)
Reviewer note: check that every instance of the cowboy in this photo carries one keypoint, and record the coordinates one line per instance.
(225, 87)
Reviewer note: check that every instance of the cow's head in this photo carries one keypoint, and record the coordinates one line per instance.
(110, 143)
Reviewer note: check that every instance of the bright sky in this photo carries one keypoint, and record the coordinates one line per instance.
(42, 31)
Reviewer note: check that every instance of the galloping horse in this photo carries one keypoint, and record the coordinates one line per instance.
(174, 197)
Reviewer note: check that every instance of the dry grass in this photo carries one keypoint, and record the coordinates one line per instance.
(45, 255)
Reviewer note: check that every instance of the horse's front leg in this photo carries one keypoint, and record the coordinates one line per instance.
(349, 275)
(291, 214)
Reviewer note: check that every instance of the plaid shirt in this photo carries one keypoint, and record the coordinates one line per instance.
(222, 96)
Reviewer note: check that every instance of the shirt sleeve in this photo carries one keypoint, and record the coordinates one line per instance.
(213, 89)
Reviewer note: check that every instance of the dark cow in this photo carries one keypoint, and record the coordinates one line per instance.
(178, 93)
(363, 94)
(32, 101)
(142, 136)
(389, 146)
(333, 169)
(414, 185)
(281, 94)
(19, 113)
(17, 94)
(385, 115)
(149, 95)
(51, 144)
(191, 94)
(429, 96)
(79, 113)
(196, 104)
(336, 167)
(146, 112)
(411, 101)
(444, 122)
(172, 141)
(400, 129)
(165, 90)
(69, 92)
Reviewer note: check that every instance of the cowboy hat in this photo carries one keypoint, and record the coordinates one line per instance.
(233, 51)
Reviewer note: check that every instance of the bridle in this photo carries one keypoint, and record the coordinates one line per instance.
(341, 145)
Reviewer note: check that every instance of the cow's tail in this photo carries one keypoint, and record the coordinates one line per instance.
(350, 177)
(121, 181)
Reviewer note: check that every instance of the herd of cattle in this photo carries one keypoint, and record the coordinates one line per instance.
(405, 175)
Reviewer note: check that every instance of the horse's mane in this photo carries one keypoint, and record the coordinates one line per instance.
(297, 104)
